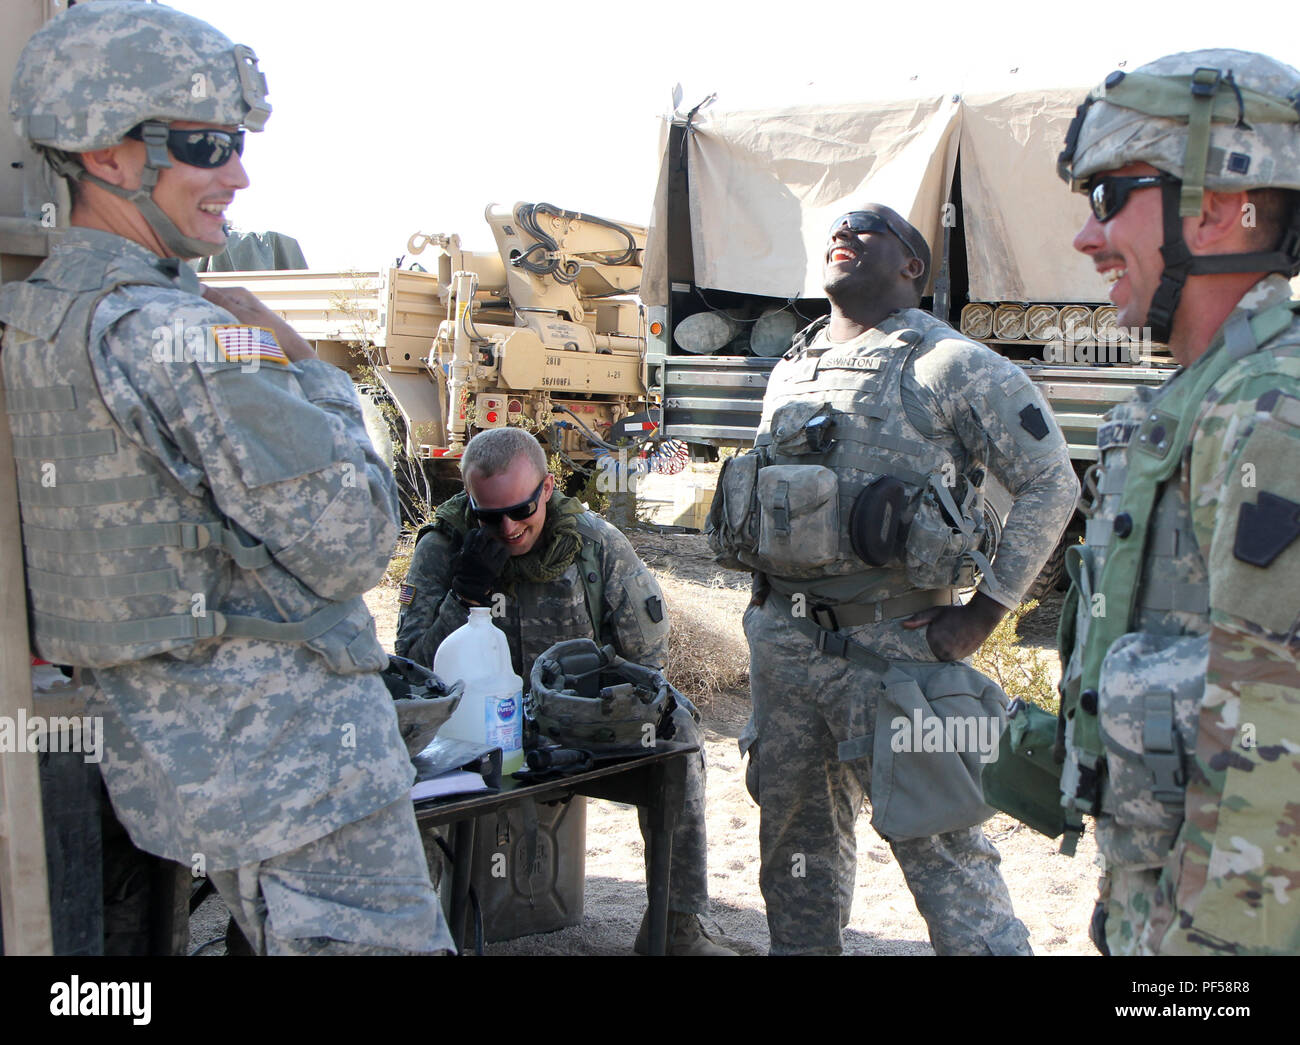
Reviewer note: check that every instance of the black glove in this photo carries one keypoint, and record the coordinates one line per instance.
(481, 560)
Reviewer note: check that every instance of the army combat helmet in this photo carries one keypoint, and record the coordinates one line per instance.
(423, 702)
(102, 69)
(1219, 119)
(586, 697)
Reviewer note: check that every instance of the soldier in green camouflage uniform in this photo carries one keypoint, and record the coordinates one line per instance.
(201, 506)
(1181, 691)
(528, 568)
(905, 396)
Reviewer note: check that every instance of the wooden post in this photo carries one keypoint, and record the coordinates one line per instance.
(24, 888)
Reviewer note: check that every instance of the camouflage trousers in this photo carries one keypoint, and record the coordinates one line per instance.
(688, 888)
(364, 889)
(805, 703)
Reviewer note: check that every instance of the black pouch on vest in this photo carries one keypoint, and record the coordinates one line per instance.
(876, 520)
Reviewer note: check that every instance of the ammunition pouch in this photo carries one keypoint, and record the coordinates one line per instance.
(799, 519)
(802, 427)
(732, 527)
(782, 519)
(936, 726)
(1151, 687)
(943, 542)
(1025, 780)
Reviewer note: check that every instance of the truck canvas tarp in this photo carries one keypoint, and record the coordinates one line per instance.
(764, 187)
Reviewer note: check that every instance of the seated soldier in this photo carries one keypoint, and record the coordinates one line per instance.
(512, 533)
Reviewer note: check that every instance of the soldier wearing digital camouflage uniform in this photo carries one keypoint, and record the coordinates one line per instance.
(1181, 690)
(201, 506)
(521, 545)
(862, 516)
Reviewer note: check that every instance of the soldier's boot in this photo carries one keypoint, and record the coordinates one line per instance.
(686, 937)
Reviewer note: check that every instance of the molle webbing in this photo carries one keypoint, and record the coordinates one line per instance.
(1154, 455)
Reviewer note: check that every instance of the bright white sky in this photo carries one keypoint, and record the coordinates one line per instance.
(393, 116)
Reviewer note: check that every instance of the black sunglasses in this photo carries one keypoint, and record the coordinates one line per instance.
(494, 517)
(1107, 195)
(205, 147)
(869, 221)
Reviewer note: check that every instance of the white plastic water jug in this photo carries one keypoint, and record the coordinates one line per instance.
(491, 712)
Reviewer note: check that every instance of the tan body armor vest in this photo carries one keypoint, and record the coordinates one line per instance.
(860, 387)
(106, 586)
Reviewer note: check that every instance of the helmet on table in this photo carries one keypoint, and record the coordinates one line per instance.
(582, 696)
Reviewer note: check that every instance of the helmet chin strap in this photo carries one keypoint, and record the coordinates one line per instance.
(156, 158)
(1180, 262)
(1178, 266)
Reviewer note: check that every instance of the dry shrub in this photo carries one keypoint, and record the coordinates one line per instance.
(400, 564)
(1018, 670)
(707, 652)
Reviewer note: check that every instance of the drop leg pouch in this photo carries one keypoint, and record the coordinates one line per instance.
(937, 725)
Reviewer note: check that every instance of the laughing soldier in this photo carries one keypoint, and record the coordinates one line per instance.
(879, 427)
(1181, 696)
(201, 506)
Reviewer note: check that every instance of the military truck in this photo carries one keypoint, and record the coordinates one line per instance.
(543, 333)
(742, 211)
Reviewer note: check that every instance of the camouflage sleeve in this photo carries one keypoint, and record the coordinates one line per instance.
(430, 612)
(281, 447)
(1001, 419)
(635, 615)
(1232, 882)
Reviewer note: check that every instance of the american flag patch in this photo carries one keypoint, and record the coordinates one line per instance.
(241, 344)
(405, 594)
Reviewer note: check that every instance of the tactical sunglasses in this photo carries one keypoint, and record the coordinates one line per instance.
(494, 517)
(205, 147)
(869, 221)
(1107, 195)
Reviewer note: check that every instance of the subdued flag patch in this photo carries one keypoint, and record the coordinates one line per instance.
(243, 344)
(405, 594)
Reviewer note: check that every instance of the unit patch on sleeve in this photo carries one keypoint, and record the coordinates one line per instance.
(1265, 529)
(1033, 422)
(405, 594)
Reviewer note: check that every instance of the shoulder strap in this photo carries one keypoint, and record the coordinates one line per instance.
(592, 575)
(429, 527)
(802, 338)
